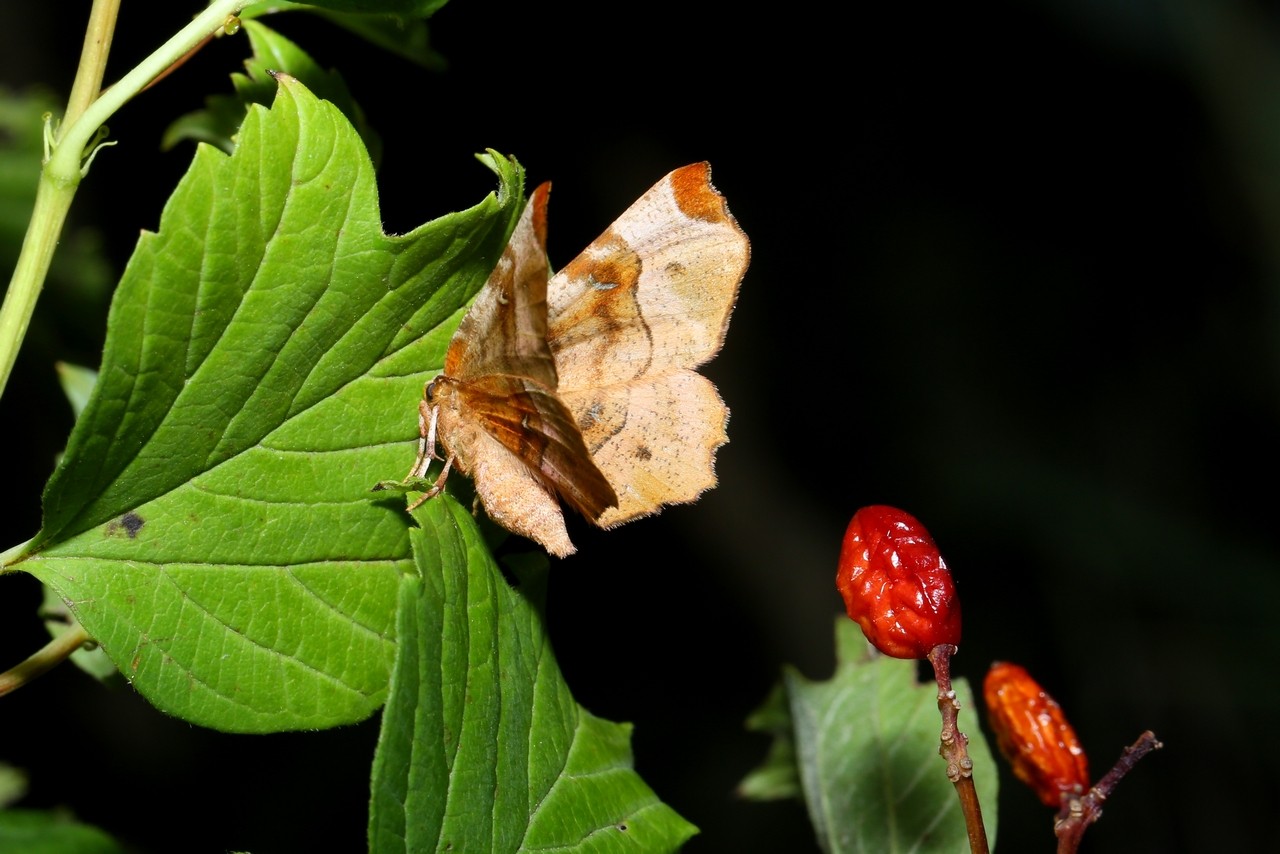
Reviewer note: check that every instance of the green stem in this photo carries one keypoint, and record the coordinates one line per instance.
(65, 163)
(93, 59)
(47, 217)
(64, 167)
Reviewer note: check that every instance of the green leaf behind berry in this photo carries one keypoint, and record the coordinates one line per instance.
(863, 747)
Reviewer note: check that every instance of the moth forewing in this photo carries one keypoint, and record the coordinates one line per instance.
(495, 411)
(533, 424)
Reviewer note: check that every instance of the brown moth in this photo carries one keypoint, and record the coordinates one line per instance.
(582, 386)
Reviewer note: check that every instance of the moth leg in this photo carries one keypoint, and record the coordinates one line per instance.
(426, 440)
(436, 488)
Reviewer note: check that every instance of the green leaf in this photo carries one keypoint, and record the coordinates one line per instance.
(13, 785)
(398, 28)
(482, 746)
(77, 384)
(211, 524)
(865, 748)
(219, 122)
(778, 777)
(38, 832)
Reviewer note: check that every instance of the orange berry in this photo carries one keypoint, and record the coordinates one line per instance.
(1034, 735)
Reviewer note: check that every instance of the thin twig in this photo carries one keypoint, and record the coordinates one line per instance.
(1080, 812)
(49, 656)
(179, 62)
(954, 747)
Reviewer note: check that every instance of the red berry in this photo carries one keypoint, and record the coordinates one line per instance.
(896, 585)
(1034, 735)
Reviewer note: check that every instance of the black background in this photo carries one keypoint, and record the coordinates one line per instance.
(1014, 269)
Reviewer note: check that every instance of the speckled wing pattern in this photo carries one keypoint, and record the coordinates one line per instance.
(629, 320)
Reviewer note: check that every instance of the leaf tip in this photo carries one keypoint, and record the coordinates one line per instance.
(509, 171)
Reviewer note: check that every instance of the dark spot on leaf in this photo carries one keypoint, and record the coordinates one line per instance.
(129, 524)
(623, 827)
(132, 523)
(643, 453)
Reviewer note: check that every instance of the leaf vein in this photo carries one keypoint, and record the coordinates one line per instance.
(214, 618)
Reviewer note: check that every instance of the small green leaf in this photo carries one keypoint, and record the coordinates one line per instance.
(398, 28)
(865, 748)
(219, 122)
(210, 524)
(13, 785)
(77, 384)
(39, 832)
(405, 485)
(482, 746)
(778, 777)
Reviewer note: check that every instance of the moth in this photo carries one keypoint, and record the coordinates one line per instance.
(581, 387)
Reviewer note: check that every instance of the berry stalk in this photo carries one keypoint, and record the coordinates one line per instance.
(953, 746)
